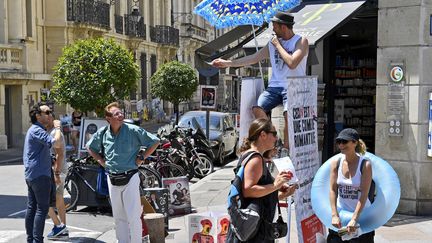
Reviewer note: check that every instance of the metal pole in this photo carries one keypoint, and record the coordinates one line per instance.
(288, 201)
(208, 115)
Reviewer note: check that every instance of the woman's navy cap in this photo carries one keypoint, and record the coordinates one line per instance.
(348, 134)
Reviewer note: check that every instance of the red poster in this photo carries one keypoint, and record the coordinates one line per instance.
(310, 226)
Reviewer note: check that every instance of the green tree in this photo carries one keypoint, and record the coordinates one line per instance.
(92, 73)
(174, 82)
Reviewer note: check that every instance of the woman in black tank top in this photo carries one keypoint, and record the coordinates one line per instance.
(258, 182)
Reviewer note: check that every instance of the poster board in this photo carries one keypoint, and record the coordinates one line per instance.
(303, 141)
(88, 127)
(251, 88)
(208, 97)
(208, 227)
(179, 195)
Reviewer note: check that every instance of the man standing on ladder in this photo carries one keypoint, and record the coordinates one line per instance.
(288, 55)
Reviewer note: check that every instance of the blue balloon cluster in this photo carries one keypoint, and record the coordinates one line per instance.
(381, 210)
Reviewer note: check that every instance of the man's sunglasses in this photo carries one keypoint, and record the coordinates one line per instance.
(273, 132)
(341, 141)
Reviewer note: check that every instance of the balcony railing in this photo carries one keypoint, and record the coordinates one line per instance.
(118, 24)
(10, 57)
(134, 28)
(89, 11)
(166, 35)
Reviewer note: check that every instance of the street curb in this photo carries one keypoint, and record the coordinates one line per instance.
(11, 161)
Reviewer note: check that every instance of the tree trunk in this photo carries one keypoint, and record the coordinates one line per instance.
(176, 111)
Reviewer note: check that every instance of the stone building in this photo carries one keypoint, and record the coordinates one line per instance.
(33, 33)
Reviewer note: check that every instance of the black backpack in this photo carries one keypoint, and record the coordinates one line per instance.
(372, 192)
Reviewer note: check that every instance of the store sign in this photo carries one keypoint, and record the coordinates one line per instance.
(396, 98)
(397, 72)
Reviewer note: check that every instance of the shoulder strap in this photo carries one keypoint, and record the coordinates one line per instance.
(338, 163)
(362, 164)
(246, 157)
(102, 147)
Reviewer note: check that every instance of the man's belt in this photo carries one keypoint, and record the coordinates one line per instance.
(128, 172)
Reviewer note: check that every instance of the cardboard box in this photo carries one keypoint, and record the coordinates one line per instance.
(179, 195)
(208, 227)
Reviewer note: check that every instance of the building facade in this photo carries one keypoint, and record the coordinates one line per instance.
(33, 33)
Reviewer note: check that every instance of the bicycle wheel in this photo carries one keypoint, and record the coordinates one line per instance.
(149, 178)
(70, 194)
(170, 170)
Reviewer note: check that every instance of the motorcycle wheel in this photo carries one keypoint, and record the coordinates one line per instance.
(203, 165)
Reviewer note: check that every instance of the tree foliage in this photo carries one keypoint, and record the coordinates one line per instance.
(174, 82)
(92, 73)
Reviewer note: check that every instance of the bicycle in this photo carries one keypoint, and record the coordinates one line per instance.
(76, 175)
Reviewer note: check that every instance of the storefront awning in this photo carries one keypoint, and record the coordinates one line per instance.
(315, 20)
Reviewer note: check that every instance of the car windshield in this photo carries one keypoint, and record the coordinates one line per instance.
(214, 122)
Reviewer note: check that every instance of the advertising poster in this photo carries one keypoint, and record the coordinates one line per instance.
(158, 199)
(89, 126)
(179, 195)
(208, 97)
(208, 227)
(303, 141)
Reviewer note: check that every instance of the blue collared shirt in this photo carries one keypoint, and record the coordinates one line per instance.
(120, 150)
(36, 155)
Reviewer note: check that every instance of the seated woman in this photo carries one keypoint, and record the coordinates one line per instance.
(349, 185)
(258, 182)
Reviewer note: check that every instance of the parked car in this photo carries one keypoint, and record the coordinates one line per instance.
(223, 135)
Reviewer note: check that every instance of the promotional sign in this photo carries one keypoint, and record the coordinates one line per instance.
(208, 227)
(208, 97)
(251, 88)
(158, 199)
(303, 143)
(89, 126)
(179, 195)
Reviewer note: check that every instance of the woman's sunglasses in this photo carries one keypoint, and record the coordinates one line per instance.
(341, 141)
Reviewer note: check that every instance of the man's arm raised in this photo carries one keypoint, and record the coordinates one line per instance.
(262, 54)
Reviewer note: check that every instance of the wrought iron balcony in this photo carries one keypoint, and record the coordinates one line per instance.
(165, 35)
(11, 58)
(91, 12)
(134, 28)
(118, 24)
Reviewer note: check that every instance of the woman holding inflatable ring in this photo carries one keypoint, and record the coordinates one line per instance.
(349, 185)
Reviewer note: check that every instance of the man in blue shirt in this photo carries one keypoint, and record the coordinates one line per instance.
(119, 144)
(37, 165)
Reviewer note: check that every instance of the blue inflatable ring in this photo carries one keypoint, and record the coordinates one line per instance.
(385, 204)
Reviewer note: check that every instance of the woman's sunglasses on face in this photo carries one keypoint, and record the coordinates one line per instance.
(341, 141)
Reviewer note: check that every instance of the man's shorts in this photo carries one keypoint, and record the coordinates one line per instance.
(272, 97)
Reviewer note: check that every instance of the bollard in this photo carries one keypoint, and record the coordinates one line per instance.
(156, 227)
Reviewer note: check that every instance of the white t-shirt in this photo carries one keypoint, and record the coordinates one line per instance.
(349, 189)
(280, 70)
